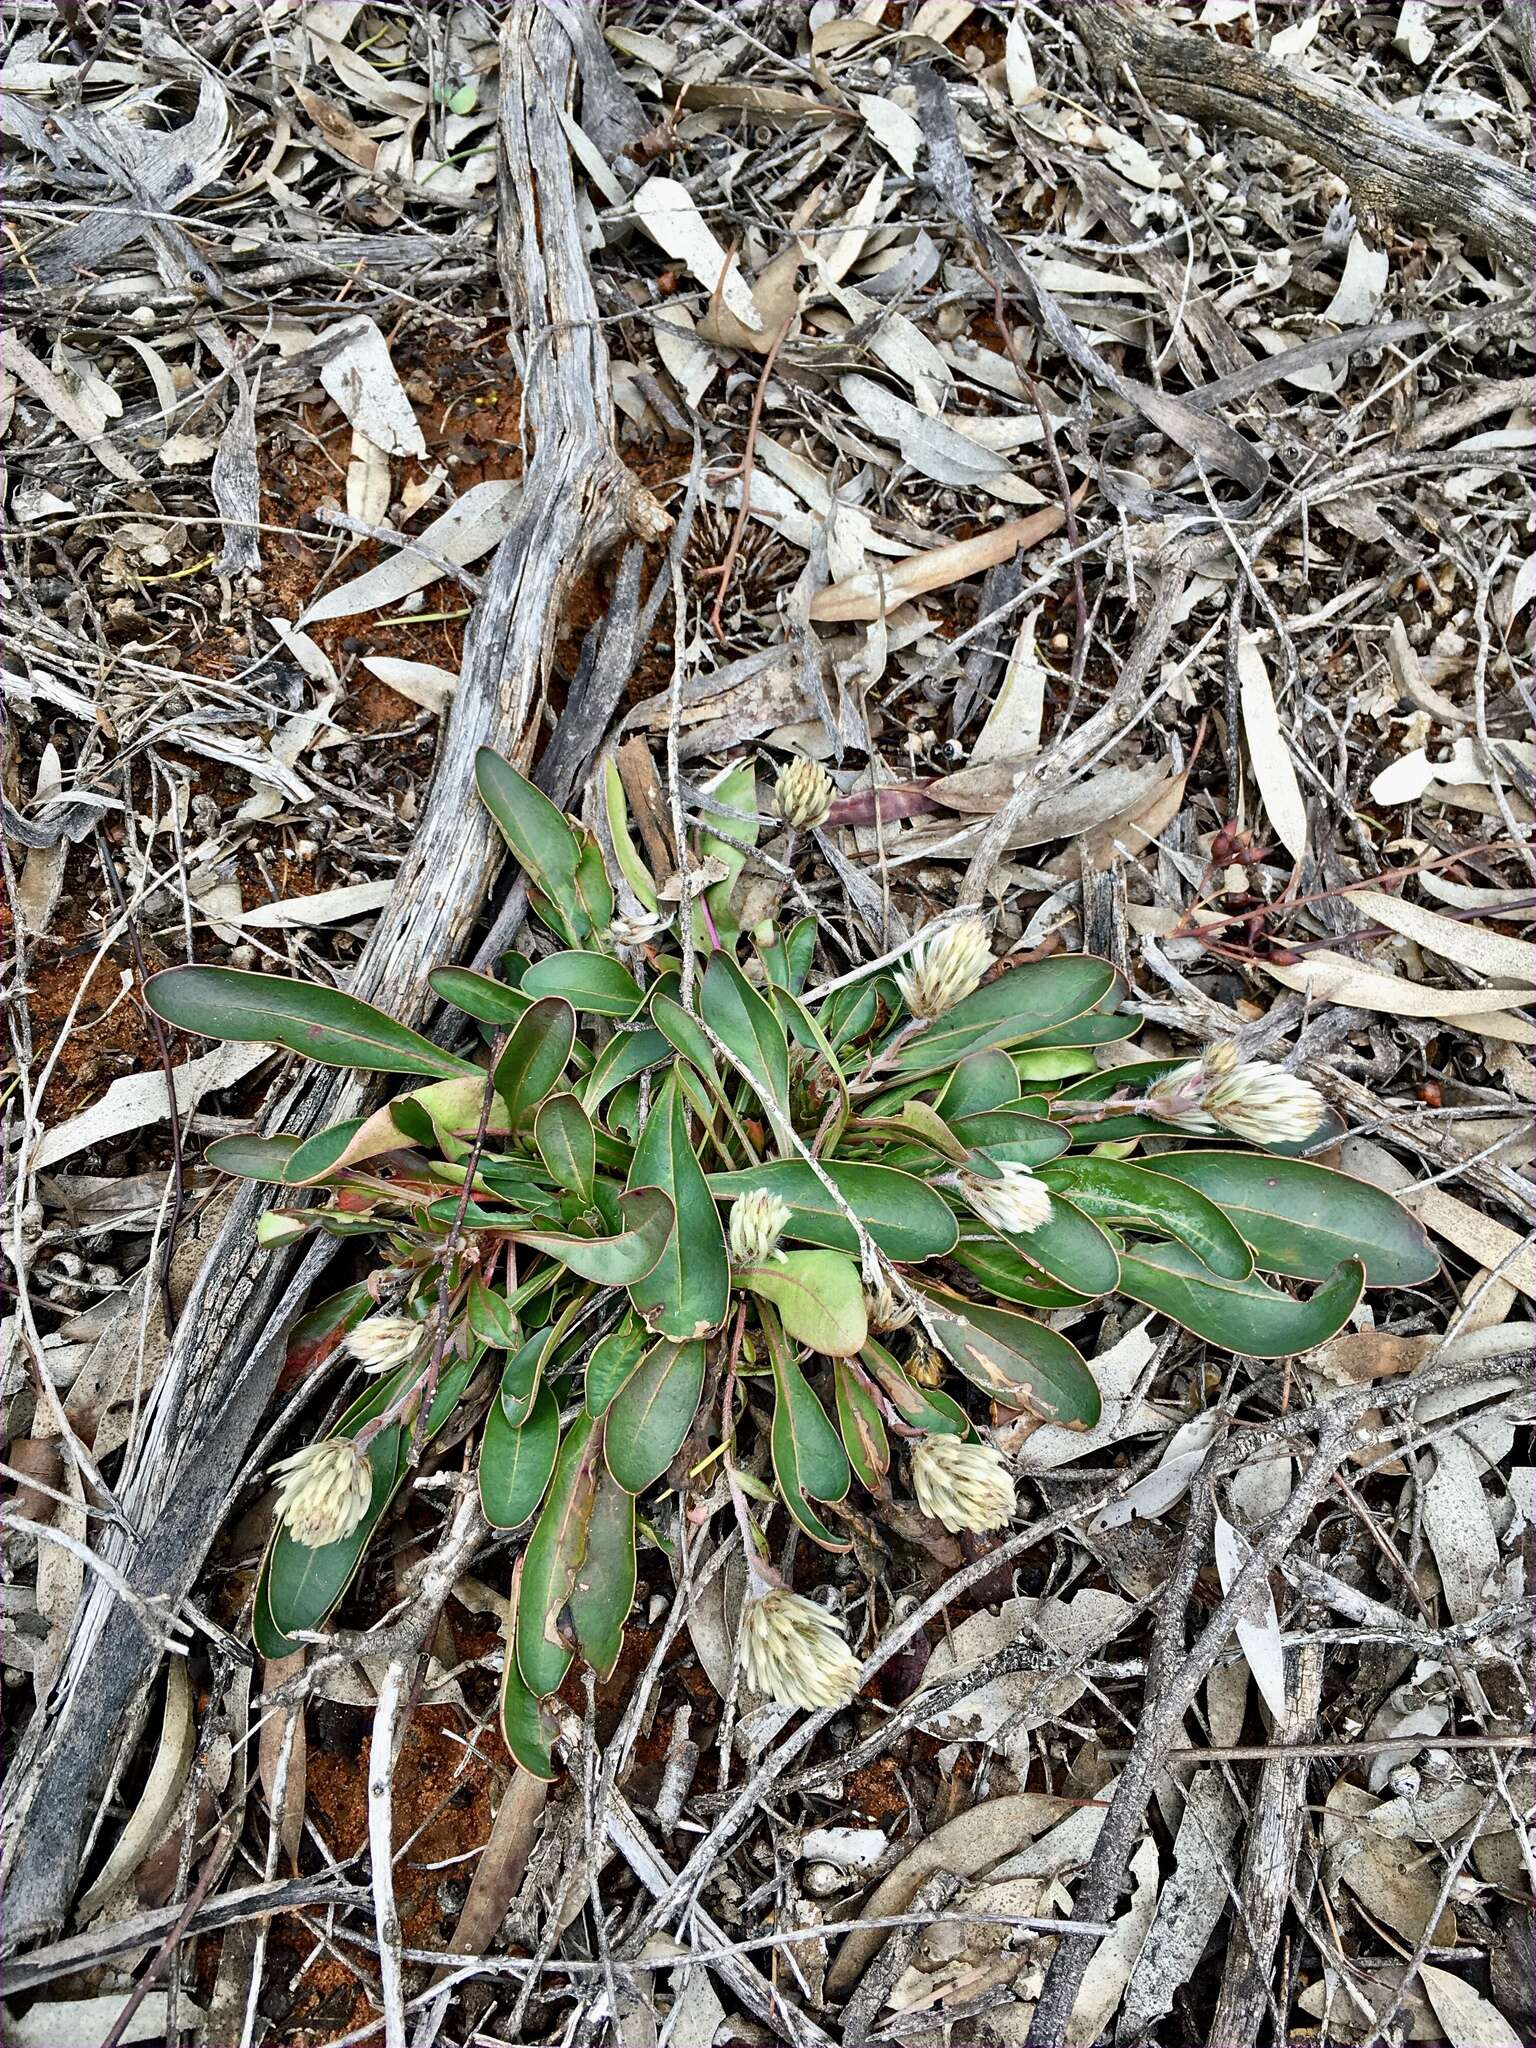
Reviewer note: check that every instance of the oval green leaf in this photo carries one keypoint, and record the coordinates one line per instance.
(567, 1143)
(1120, 1192)
(685, 1294)
(1019, 1005)
(516, 1463)
(552, 1560)
(819, 1297)
(1246, 1316)
(652, 1413)
(743, 1022)
(604, 1590)
(1301, 1219)
(809, 1461)
(1017, 1360)
(534, 1057)
(908, 1220)
(260, 1159)
(323, 1024)
(478, 995)
(527, 1730)
(613, 1359)
(589, 982)
(863, 1429)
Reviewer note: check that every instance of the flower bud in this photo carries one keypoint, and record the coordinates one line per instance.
(944, 970)
(380, 1343)
(792, 1651)
(757, 1223)
(1015, 1202)
(323, 1491)
(803, 794)
(635, 931)
(885, 1308)
(964, 1486)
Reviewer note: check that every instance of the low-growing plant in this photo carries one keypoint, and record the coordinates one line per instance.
(682, 1211)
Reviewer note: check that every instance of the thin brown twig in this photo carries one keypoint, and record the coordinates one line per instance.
(747, 458)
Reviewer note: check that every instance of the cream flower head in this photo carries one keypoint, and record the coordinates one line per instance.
(1015, 1201)
(380, 1343)
(793, 1651)
(942, 971)
(323, 1491)
(964, 1486)
(1253, 1099)
(803, 794)
(757, 1223)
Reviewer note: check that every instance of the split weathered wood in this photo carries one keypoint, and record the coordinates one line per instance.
(200, 1418)
(1398, 171)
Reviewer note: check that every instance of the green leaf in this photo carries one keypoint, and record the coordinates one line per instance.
(918, 1407)
(1017, 1360)
(735, 790)
(477, 995)
(683, 1032)
(604, 1590)
(1094, 1027)
(652, 1413)
(492, 1318)
(1018, 1005)
(594, 891)
(621, 1261)
(744, 1023)
(981, 1081)
(863, 1430)
(567, 1144)
(625, 1055)
(1049, 1065)
(1011, 1138)
(324, 1024)
(538, 834)
(908, 1220)
(553, 1558)
(631, 866)
(520, 1377)
(1071, 1248)
(528, 1731)
(1302, 1219)
(612, 1362)
(260, 1159)
(809, 1461)
(589, 982)
(1246, 1316)
(819, 1296)
(687, 1291)
(534, 1058)
(516, 1462)
(318, 1155)
(1116, 1191)
(1001, 1271)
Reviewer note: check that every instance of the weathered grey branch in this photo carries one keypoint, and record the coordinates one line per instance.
(204, 1410)
(1396, 170)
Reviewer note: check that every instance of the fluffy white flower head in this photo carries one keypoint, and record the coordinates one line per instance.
(803, 793)
(380, 1343)
(1015, 1202)
(1252, 1099)
(323, 1491)
(943, 971)
(964, 1486)
(757, 1223)
(793, 1651)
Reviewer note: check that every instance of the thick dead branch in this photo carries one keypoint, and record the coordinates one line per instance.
(577, 499)
(1396, 170)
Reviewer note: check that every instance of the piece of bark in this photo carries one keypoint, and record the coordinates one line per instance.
(1269, 1866)
(1397, 170)
(208, 1403)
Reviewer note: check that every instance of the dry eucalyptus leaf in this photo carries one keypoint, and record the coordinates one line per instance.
(156, 1805)
(1269, 755)
(1258, 1634)
(469, 529)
